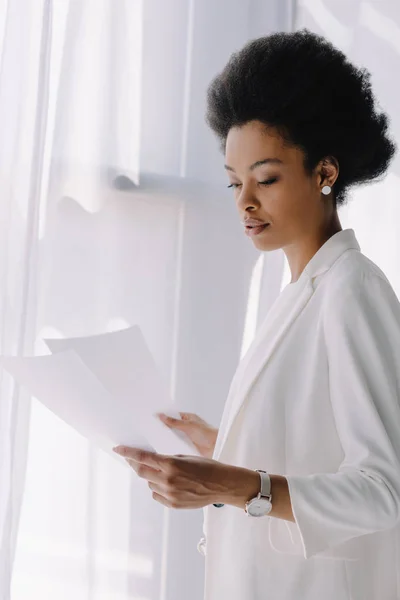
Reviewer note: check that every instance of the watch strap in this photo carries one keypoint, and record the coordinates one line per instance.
(265, 489)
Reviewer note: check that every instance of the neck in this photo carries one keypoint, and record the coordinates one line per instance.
(301, 251)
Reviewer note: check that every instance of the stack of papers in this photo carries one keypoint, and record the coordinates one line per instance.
(107, 387)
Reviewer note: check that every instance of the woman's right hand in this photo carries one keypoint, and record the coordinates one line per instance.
(202, 435)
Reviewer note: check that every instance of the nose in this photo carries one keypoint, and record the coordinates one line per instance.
(246, 200)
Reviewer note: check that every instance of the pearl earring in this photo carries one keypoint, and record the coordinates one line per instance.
(326, 189)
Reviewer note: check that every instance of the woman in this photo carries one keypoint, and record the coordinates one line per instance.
(315, 401)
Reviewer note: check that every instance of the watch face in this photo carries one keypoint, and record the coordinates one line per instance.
(259, 507)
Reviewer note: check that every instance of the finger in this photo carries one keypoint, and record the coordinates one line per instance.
(152, 459)
(132, 463)
(144, 471)
(161, 499)
(189, 416)
(155, 487)
(171, 421)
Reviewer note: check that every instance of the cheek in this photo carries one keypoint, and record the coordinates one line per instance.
(283, 201)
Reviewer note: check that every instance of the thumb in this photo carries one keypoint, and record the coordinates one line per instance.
(171, 421)
(190, 417)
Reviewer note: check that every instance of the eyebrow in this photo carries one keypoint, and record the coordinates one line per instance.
(258, 164)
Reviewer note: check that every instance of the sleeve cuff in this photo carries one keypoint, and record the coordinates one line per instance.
(312, 535)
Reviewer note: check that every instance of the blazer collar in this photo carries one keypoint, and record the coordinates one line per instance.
(329, 252)
(286, 308)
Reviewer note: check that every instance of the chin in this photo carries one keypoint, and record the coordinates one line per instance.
(266, 245)
(266, 242)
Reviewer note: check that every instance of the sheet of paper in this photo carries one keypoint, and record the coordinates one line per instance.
(123, 363)
(65, 385)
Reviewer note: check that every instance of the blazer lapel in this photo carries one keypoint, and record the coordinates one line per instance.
(281, 315)
(285, 310)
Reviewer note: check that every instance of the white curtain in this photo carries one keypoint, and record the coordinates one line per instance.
(114, 211)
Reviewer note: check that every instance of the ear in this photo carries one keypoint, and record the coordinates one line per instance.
(327, 171)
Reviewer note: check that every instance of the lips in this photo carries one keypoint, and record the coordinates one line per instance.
(256, 230)
(253, 222)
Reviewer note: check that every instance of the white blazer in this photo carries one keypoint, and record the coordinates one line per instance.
(316, 398)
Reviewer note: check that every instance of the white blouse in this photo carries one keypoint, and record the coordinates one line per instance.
(316, 399)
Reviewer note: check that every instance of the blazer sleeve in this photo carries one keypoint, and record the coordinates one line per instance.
(361, 321)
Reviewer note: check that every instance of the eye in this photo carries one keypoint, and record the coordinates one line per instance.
(267, 182)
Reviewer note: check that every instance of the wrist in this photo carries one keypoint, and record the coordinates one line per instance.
(242, 485)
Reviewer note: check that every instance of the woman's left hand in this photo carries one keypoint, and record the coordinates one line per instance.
(182, 481)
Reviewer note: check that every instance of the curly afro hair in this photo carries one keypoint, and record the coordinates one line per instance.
(305, 88)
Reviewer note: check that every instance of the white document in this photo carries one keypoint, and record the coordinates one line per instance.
(123, 363)
(107, 387)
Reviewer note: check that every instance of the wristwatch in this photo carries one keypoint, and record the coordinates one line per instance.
(261, 505)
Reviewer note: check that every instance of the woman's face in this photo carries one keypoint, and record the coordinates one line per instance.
(271, 185)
